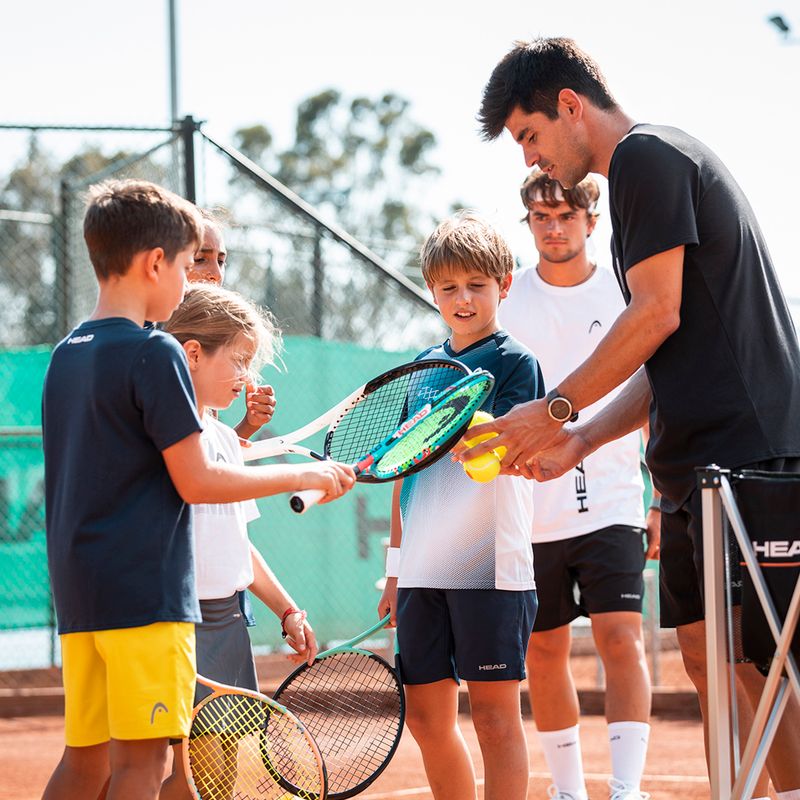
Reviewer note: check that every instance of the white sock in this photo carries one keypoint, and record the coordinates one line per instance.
(562, 751)
(628, 742)
(792, 794)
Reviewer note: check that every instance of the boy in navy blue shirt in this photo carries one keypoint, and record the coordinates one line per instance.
(123, 459)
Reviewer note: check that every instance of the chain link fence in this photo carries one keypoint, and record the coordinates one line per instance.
(345, 316)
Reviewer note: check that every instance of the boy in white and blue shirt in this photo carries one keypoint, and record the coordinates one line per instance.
(461, 584)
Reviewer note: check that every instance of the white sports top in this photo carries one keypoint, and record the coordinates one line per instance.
(222, 549)
(562, 325)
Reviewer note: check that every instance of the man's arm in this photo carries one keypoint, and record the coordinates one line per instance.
(626, 413)
(197, 480)
(651, 317)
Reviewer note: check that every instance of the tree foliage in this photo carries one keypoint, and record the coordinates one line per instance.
(363, 161)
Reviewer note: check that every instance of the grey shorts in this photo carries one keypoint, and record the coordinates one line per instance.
(223, 646)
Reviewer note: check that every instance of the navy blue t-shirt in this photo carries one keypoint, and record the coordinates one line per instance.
(119, 537)
(517, 375)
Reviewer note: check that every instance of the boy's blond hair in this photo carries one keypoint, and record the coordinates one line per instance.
(465, 242)
(215, 317)
(124, 218)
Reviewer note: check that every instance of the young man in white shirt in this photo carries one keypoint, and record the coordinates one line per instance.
(588, 525)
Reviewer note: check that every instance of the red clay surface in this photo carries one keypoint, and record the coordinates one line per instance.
(30, 747)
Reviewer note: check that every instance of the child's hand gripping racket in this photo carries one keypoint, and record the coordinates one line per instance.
(352, 702)
(398, 423)
(242, 744)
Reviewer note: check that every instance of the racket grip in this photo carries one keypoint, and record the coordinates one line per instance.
(300, 502)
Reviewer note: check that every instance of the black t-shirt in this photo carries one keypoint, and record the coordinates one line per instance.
(726, 384)
(119, 538)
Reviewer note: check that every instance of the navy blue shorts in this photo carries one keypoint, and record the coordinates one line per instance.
(474, 634)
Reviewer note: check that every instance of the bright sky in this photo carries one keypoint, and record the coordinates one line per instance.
(715, 68)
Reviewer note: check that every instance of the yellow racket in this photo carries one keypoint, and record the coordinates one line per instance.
(242, 744)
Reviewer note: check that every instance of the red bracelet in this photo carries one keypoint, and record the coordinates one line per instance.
(288, 612)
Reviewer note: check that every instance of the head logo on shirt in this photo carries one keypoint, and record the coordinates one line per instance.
(594, 324)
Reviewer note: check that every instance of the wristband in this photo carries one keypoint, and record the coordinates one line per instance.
(289, 611)
(392, 562)
(655, 503)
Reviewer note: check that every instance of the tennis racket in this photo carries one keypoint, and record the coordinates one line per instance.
(352, 703)
(400, 422)
(242, 744)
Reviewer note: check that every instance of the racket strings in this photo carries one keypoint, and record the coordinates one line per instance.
(380, 413)
(242, 747)
(351, 703)
(435, 430)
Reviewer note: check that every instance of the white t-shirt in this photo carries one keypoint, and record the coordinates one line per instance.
(563, 325)
(222, 549)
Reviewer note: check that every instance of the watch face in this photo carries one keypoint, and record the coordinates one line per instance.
(560, 409)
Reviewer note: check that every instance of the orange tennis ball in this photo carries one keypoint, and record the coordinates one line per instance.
(484, 468)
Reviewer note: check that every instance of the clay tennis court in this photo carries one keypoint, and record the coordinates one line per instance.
(30, 747)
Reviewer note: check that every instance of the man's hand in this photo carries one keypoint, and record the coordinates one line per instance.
(524, 431)
(567, 450)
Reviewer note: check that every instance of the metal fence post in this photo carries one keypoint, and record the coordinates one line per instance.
(652, 624)
(188, 126)
(318, 298)
(719, 721)
(63, 281)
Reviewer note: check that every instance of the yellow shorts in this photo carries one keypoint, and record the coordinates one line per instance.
(128, 683)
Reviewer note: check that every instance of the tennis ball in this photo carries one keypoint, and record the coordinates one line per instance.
(484, 468)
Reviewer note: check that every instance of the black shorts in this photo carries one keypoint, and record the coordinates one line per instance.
(474, 634)
(681, 569)
(605, 566)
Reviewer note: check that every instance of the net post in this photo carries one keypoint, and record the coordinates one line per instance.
(709, 480)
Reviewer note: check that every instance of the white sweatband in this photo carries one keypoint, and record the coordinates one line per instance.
(392, 562)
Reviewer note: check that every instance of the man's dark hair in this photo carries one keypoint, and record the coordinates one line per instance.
(124, 218)
(532, 74)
